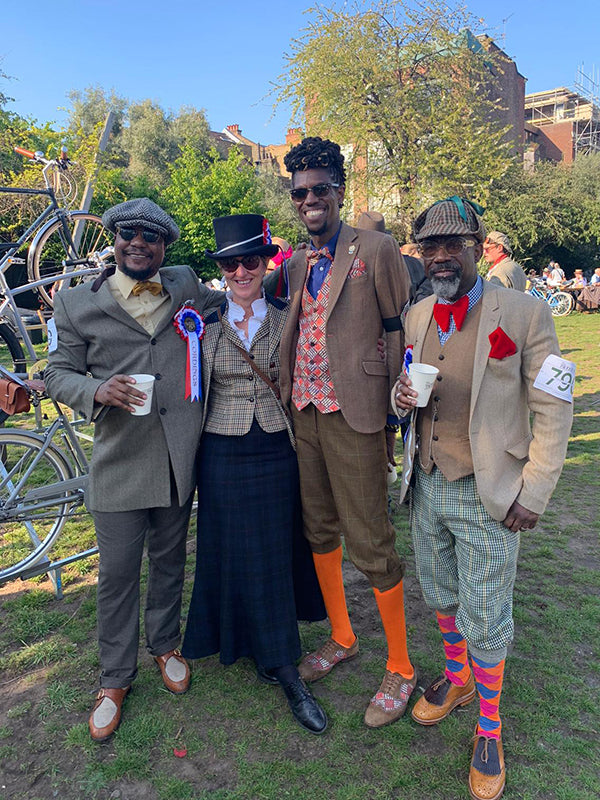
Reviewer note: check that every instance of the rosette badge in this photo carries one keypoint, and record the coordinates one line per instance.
(190, 326)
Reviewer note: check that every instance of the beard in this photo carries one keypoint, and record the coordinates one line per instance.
(446, 288)
(136, 274)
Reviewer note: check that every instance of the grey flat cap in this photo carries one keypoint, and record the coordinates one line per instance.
(141, 213)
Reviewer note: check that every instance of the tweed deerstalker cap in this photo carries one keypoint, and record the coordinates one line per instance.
(452, 217)
(499, 238)
(141, 213)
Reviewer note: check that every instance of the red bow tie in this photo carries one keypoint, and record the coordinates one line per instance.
(442, 311)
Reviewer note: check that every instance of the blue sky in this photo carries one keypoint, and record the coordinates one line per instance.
(222, 57)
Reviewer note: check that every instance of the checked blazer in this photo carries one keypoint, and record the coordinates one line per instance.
(369, 284)
(133, 455)
(513, 458)
(233, 393)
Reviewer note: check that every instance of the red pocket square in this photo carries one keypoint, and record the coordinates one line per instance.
(357, 269)
(502, 345)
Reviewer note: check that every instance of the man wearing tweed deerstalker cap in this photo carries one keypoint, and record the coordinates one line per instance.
(142, 476)
(478, 469)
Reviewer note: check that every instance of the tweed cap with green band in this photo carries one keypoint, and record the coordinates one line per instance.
(141, 212)
(454, 216)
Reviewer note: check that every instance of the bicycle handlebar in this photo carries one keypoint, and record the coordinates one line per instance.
(62, 161)
(22, 152)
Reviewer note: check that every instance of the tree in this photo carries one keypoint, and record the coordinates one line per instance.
(408, 91)
(202, 188)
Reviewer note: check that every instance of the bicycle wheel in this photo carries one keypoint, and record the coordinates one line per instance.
(51, 247)
(11, 355)
(560, 303)
(28, 525)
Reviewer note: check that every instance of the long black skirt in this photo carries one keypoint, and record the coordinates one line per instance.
(254, 570)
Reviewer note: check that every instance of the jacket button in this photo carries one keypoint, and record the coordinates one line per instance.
(272, 365)
(250, 378)
(158, 376)
(441, 356)
(250, 399)
(435, 438)
(436, 399)
(163, 411)
(435, 417)
(439, 377)
(152, 341)
(251, 356)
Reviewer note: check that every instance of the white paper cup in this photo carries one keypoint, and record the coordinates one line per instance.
(422, 377)
(144, 383)
(392, 475)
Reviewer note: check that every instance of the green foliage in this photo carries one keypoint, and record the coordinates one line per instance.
(406, 88)
(202, 188)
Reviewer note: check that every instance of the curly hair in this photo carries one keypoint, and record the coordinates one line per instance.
(316, 153)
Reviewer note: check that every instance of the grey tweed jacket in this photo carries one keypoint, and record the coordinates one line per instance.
(132, 456)
(234, 394)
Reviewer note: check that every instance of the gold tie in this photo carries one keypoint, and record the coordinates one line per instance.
(146, 286)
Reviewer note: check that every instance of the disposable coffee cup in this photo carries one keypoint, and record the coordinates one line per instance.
(422, 377)
(144, 383)
(392, 475)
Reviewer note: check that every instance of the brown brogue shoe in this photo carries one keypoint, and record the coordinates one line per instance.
(487, 775)
(389, 704)
(175, 671)
(106, 714)
(440, 698)
(315, 666)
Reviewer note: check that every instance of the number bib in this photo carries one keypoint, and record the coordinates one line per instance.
(557, 377)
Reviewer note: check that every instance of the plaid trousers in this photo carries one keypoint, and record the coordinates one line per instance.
(466, 560)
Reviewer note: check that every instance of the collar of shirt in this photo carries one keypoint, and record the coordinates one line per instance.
(236, 313)
(125, 284)
(474, 295)
(316, 276)
(496, 262)
(331, 244)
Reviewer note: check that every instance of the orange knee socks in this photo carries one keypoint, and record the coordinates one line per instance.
(329, 572)
(391, 609)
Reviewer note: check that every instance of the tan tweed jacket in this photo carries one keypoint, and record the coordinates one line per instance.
(233, 393)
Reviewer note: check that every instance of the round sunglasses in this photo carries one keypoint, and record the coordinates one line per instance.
(231, 264)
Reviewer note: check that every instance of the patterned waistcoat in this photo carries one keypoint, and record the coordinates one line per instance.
(443, 425)
(312, 379)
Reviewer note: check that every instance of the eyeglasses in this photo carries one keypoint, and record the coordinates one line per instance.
(319, 190)
(248, 262)
(130, 233)
(453, 245)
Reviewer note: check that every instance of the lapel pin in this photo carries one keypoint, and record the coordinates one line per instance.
(351, 249)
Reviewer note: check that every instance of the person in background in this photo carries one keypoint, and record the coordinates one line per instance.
(497, 252)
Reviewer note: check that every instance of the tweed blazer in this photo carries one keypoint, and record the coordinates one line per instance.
(513, 459)
(242, 395)
(132, 455)
(369, 284)
(510, 274)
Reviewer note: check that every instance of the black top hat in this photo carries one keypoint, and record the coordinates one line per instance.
(242, 235)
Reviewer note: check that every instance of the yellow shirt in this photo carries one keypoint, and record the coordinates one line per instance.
(146, 309)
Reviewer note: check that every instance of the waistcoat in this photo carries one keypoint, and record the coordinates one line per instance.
(443, 425)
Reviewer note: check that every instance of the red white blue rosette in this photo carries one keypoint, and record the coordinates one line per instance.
(190, 326)
(266, 232)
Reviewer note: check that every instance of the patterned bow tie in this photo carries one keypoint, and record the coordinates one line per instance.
(314, 256)
(146, 286)
(442, 311)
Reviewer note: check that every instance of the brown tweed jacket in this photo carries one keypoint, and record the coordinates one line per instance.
(233, 393)
(369, 288)
(514, 457)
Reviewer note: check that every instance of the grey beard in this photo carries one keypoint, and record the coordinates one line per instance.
(446, 288)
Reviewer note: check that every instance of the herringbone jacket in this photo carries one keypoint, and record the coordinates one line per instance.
(233, 393)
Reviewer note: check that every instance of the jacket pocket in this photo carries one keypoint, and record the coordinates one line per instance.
(375, 368)
(521, 448)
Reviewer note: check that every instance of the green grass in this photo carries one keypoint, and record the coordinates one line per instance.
(241, 741)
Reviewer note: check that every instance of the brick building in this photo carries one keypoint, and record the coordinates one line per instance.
(559, 125)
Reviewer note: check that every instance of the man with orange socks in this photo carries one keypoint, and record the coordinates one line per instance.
(479, 469)
(345, 289)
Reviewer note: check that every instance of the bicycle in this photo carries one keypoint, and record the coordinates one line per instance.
(561, 303)
(61, 240)
(43, 476)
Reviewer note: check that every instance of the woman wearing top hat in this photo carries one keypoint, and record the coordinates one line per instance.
(254, 574)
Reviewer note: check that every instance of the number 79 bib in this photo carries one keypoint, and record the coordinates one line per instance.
(556, 377)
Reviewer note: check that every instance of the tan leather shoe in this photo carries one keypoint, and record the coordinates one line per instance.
(389, 704)
(106, 714)
(487, 775)
(442, 697)
(175, 671)
(315, 666)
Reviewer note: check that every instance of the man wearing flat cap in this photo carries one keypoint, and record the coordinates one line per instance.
(497, 252)
(479, 470)
(141, 483)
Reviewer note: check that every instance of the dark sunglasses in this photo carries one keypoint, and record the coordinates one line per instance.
(130, 233)
(231, 264)
(319, 190)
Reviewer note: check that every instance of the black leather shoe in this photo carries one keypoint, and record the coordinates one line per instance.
(307, 712)
(264, 675)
